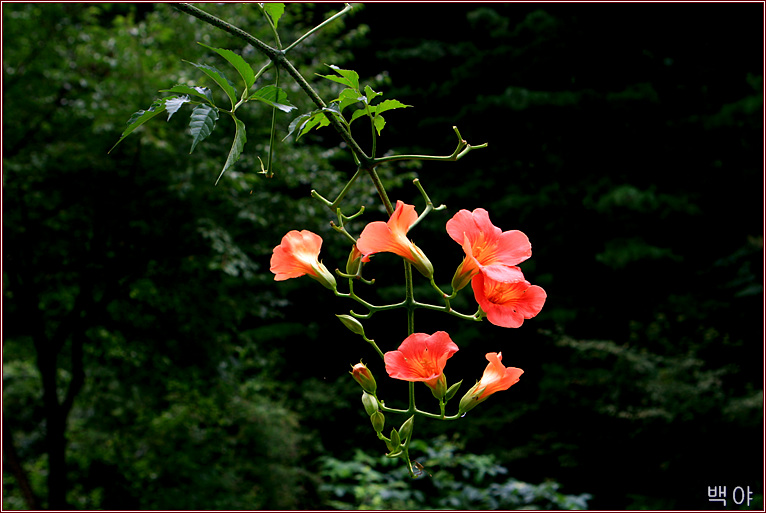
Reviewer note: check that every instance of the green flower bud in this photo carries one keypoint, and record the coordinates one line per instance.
(396, 442)
(406, 430)
(470, 399)
(352, 324)
(354, 261)
(378, 421)
(370, 403)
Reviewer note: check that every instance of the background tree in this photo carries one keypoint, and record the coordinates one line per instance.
(149, 362)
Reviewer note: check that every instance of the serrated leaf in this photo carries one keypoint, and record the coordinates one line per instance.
(242, 67)
(236, 147)
(316, 120)
(297, 123)
(275, 11)
(273, 96)
(347, 77)
(389, 105)
(379, 123)
(202, 123)
(201, 92)
(357, 114)
(220, 79)
(142, 116)
(370, 94)
(347, 97)
(174, 103)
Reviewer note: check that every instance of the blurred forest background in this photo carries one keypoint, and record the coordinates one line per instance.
(150, 360)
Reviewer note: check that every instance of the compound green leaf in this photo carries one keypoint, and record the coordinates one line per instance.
(389, 105)
(220, 79)
(357, 114)
(370, 94)
(275, 11)
(202, 122)
(297, 123)
(236, 147)
(142, 116)
(347, 97)
(347, 77)
(274, 96)
(317, 120)
(379, 123)
(173, 104)
(244, 69)
(201, 92)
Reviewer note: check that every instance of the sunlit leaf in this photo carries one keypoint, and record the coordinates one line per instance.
(297, 123)
(370, 94)
(173, 104)
(347, 97)
(379, 123)
(389, 105)
(244, 69)
(275, 11)
(220, 79)
(274, 96)
(357, 114)
(142, 116)
(201, 92)
(202, 122)
(236, 147)
(347, 77)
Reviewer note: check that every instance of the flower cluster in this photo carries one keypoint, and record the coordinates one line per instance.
(491, 265)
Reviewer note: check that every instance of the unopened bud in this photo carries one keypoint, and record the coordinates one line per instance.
(363, 376)
(354, 261)
(378, 421)
(370, 403)
(396, 441)
(406, 430)
(352, 324)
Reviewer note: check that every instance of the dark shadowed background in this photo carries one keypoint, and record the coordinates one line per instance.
(150, 360)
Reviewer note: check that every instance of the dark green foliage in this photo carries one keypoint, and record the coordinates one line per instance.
(142, 324)
(448, 477)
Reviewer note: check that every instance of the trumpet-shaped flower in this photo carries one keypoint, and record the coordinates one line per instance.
(421, 357)
(487, 248)
(297, 255)
(496, 377)
(508, 303)
(391, 237)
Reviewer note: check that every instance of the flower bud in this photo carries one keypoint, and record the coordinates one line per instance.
(352, 324)
(323, 276)
(370, 403)
(354, 261)
(396, 441)
(363, 376)
(406, 430)
(378, 421)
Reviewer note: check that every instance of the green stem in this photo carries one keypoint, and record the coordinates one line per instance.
(332, 18)
(462, 149)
